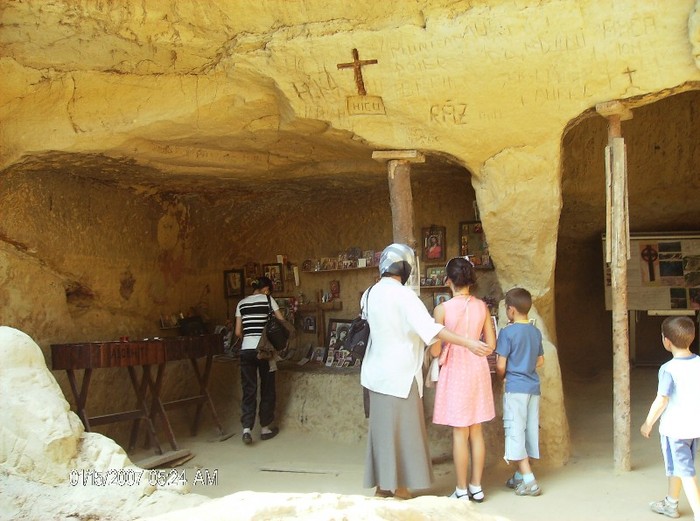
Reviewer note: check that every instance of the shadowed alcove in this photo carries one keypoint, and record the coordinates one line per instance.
(664, 189)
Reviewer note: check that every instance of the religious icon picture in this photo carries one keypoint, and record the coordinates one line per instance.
(439, 298)
(434, 243)
(276, 275)
(472, 244)
(309, 324)
(435, 276)
(252, 272)
(337, 332)
(233, 283)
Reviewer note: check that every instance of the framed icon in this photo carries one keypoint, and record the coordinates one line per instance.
(434, 243)
(233, 283)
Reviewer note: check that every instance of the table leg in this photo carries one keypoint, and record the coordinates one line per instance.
(81, 397)
(157, 404)
(203, 380)
(139, 388)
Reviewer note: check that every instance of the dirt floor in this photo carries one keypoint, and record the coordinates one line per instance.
(584, 489)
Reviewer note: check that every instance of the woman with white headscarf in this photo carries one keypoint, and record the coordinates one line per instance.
(398, 457)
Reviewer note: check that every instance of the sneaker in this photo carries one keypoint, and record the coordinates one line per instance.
(513, 482)
(528, 489)
(247, 438)
(269, 435)
(464, 497)
(665, 507)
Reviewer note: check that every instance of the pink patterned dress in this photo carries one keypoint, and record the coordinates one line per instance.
(463, 395)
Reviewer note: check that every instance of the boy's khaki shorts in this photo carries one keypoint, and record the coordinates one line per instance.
(521, 423)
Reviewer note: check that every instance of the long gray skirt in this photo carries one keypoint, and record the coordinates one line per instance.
(397, 444)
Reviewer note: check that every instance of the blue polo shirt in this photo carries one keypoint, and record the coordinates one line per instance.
(521, 344)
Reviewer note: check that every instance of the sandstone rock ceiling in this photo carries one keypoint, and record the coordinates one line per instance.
(302, 178)
(64, 41)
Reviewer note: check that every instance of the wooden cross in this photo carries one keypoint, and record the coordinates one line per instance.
(357, 64)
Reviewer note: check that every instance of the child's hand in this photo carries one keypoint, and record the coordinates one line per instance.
(645, 429)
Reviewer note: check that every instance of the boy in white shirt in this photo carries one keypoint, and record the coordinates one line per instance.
(676, 404)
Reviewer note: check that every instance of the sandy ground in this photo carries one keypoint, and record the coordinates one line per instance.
(586, 488)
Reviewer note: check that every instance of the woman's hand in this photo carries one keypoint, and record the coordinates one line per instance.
(477, 347)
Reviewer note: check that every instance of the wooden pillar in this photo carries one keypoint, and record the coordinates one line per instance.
(401, 197)
(617, 246)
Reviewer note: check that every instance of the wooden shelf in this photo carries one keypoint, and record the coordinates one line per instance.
(333, 305)
(341, 269)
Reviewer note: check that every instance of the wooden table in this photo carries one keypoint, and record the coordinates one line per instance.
(144, 353)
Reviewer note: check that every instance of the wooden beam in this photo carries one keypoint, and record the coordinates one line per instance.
(616, 254)
(412, 156)
(401, 196)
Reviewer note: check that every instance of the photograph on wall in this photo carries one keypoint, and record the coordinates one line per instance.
(276, 275)
(694, 298)
(435, 276)
(337, 331)
(318, 354)
(233, 283)
(679, 298)
(691, 270)
(440, 298)
(434, 243)
(472, 244)
(252, 272)
(309, 324)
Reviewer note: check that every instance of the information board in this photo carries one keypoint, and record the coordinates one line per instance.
(663, 271)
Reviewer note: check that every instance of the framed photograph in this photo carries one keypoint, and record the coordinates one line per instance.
(439, 298)
(252, 272)
(435, 276)
(233, 283)
(329, 263)
(318, 354)
(275, 274)
(472, 243)
(434, 243)
(309, 324)
(337, 331)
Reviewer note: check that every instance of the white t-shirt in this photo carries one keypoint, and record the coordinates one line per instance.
(253, 311)
(400, 328)
(679, 379)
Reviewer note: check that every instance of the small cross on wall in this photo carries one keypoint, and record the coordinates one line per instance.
(356, 65)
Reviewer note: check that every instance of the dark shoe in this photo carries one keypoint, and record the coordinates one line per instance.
(477, 496)
(269, 435)
(247, 438)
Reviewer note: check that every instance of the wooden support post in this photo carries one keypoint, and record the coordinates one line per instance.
(401, 197)
(617, 254)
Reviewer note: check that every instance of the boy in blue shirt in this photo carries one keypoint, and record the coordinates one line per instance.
(520, 353)
(676, 404)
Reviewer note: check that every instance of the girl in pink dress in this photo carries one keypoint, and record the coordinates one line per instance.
(463, 395)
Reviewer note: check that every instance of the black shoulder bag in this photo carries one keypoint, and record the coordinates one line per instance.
(358, 334)
(275, 331)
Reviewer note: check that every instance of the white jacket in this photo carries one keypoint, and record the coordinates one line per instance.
(400, 328)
